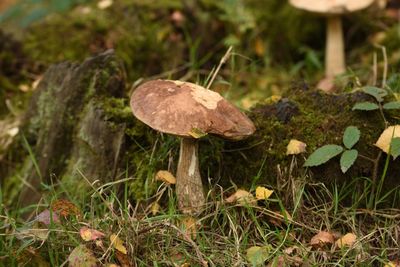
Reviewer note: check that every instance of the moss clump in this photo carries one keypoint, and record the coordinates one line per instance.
(312, 117)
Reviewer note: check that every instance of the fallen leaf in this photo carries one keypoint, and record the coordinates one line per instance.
(13, 131)
(31, 257)
(263, 193)
(45, 218)
(65, 208)
(278, 220)
(88, 234)
(117, 243)
(197, 133)
(81, 256)
(155, 208)
(24, 88)
(188, 224)
(322, 239)
(122, 259)
(386, 137)
(295, 147)
(165, 176)
(241, 196)
(392, 264)
(259, 47)
(257, 255)
(272, 99)
(35, 233)
(103, 4)
(277, 261)
(347, 240)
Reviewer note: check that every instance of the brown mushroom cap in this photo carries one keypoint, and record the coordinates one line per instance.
(331, 7)
(178, 108)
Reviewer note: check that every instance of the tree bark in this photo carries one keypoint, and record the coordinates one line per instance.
(189, 187)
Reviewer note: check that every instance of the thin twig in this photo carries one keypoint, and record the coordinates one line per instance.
(222, 62)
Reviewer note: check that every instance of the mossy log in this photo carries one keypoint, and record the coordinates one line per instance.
(79, 124)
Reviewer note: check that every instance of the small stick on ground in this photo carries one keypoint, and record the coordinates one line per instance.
(222, 62)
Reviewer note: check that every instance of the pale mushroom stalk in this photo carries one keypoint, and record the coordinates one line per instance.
(189, 187)
(334, 57)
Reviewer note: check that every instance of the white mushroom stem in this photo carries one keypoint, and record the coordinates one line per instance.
(189, 187)
(334, 53)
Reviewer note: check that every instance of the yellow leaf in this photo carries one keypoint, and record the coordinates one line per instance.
(88, 234)
(259, 47)
(322, 239)
(241, 196)
(197, 133)
(386, 137)
(273, 99)
(188, 224)
(295, 147)
(155, 208)
(392, 264)
(263, 193)
(117, 243)
(166, 176)
(103, 4)
(257, 255)
(346, 241)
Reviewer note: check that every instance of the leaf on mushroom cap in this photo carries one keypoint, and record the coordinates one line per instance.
(177, 107)
(331, 7)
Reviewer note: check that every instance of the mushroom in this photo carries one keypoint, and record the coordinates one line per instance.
(181, 109)
(333, 9)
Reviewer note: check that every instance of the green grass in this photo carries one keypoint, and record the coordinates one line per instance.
(224, 231)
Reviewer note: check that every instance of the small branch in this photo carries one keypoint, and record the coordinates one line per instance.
(374, 178)
(222, 62)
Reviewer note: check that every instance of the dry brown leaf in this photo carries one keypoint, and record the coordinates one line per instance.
(122, 259)
(38, 234)
(117, 243)
(166, 177)
(278, 220)
(65, 208)
(386, 137)
(45, 218)
(263, 193)
(322, 239)
(347, 240)
(295, 147)
(88, 234)
(241, 196)
(188, 224)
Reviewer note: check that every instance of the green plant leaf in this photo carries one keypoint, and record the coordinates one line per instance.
(392, 105)
(347, 159)
(351, 136)
(376, 92)
(365, 106)
(322, 155)
(257, 255)
(395, 147)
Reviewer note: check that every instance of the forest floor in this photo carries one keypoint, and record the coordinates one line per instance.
(308, 225)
